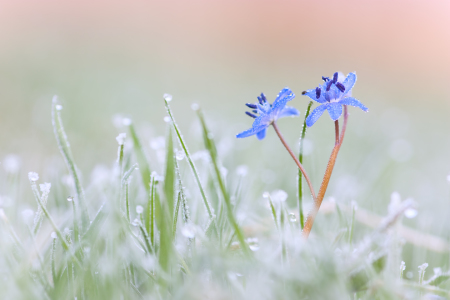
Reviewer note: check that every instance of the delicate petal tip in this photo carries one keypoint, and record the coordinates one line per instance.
(252, 131)
(312, 93)
(315, 115)
(261, 135)
(349, 81)
(288, 111)
(353, 102)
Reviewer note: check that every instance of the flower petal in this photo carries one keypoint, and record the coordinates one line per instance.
(335, 110)
(251, 131)
(280, 102)
(312, 94)
(353, 102)
(315, 115)
(288, 111)
(349, 82)
(262, 134)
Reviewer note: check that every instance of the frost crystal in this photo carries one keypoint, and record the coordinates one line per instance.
(167, 119)
(45, 187)
(33, 176)
(58, 107)
(139, 209)
(54, 235)
(121, 138)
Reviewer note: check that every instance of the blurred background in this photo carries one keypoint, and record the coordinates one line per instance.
(109, 58)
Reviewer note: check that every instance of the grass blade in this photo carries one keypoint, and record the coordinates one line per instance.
(211, 147)
(144, 166)
(150, 214)
(300, 175)
(64, 148)
(169, 178)
(175, 215)
(208, 207)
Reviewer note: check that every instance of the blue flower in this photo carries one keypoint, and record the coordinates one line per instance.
(332, 95)
(268, 113)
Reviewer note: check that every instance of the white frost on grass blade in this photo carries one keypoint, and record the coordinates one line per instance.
(33, 176)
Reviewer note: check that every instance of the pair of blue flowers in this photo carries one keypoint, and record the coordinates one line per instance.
(332, 95)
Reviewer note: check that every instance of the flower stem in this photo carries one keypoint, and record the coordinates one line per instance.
(336, 129)
(326, 179)
(274, 124)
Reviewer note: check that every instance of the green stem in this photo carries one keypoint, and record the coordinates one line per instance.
(300, 175)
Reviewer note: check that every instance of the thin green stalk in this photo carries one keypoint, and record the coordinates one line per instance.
(352, 225)
(210, 146)
(208, 207)
(150, 214)
(274, 212)
(124, 190)
(300, 175)
(175, 215)
(52, 257)
(58, 232)
(144, 165)
(64, 148)
(169, 178)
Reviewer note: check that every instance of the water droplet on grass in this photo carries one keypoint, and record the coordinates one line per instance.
(126, 121)
(242, 170)
(139, 209)
(292, 218)
(70, 198)
(179, 155)
(121, 138)
(194, 106)
(279, 195)
(188, 231)
(167, 119)
(58, 107)
(167, 97)
(33, 176)
(411, 213)
(54, 235)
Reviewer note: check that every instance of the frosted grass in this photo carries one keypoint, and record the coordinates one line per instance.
(152, 252)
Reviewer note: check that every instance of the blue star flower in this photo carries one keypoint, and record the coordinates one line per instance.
(332, 95)
(268, 113)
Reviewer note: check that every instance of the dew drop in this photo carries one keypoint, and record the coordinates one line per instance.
(126, 121)
(33, 176)
(54, 235)
(188, 231)
(253, 244)
(292, 218)
(411, 213)
(167, 97)
(58, 107)
(167, 119)
(242, 170)
(279, 195)
(136, 222)
(121, 138)
(70, 198)
(139, 209)
(179, 155)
